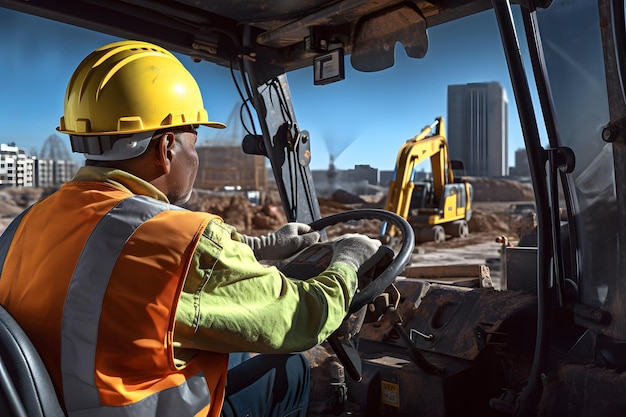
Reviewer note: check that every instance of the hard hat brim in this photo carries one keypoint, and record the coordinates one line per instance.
(215, 125)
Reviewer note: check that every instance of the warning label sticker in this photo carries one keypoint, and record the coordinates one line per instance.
(391, 393)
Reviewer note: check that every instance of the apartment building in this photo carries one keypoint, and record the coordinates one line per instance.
(16, 169)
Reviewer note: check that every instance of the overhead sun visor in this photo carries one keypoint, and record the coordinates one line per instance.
(376, 36)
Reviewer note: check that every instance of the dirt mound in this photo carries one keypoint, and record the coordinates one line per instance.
(255, 220)
(237, 211)
(344, 197)
(15, 199)
(500, 189)
(487, 222)
(489, 217)
(9, 209)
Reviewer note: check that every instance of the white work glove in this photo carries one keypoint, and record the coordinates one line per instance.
(354, 250)
(281, 244)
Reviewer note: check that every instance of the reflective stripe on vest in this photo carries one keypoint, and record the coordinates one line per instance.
(81, 318)
(119, 357)
(82, 313)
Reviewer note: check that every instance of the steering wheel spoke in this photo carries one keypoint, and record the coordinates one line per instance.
(375, 276)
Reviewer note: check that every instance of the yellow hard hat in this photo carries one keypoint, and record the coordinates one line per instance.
(129, 87)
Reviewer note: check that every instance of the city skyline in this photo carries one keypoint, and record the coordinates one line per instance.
(367, 129)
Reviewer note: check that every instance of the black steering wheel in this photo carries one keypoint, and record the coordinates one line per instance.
(400, 260)
(347, 353)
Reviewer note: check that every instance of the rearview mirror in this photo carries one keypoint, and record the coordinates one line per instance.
(377, 34)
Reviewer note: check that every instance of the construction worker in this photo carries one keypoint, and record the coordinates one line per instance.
(134, 303)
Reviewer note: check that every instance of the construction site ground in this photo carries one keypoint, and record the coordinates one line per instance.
(490, 218)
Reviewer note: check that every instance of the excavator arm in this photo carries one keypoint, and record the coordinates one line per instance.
(431, 144)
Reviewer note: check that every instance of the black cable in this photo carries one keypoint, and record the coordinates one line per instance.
(244, 100)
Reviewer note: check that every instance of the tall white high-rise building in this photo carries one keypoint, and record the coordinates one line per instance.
(478, 128)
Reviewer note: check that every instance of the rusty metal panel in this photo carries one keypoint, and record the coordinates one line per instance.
(454, 321)
(583, 391)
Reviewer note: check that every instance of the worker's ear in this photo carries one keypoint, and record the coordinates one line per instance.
(164, 151)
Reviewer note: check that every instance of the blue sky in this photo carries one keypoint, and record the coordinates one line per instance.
(350, 119)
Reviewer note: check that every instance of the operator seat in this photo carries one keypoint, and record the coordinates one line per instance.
(26, 389)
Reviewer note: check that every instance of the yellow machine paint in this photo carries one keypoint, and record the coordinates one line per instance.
(442, 206)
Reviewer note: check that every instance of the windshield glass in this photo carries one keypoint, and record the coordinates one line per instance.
(573, 53)
(365, 118)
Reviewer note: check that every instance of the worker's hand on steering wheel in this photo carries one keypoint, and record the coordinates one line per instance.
(354, 250)
(284, 242)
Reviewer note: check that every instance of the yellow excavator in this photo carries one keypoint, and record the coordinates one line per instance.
(434, 208)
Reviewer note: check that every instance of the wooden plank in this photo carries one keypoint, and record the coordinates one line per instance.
(465, 275)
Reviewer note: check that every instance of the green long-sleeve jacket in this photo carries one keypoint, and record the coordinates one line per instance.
(231, 302)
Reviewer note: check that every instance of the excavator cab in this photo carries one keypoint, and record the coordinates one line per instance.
(551, 341)
(422, 196)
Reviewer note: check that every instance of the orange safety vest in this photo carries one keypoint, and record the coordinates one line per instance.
(93, 275)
